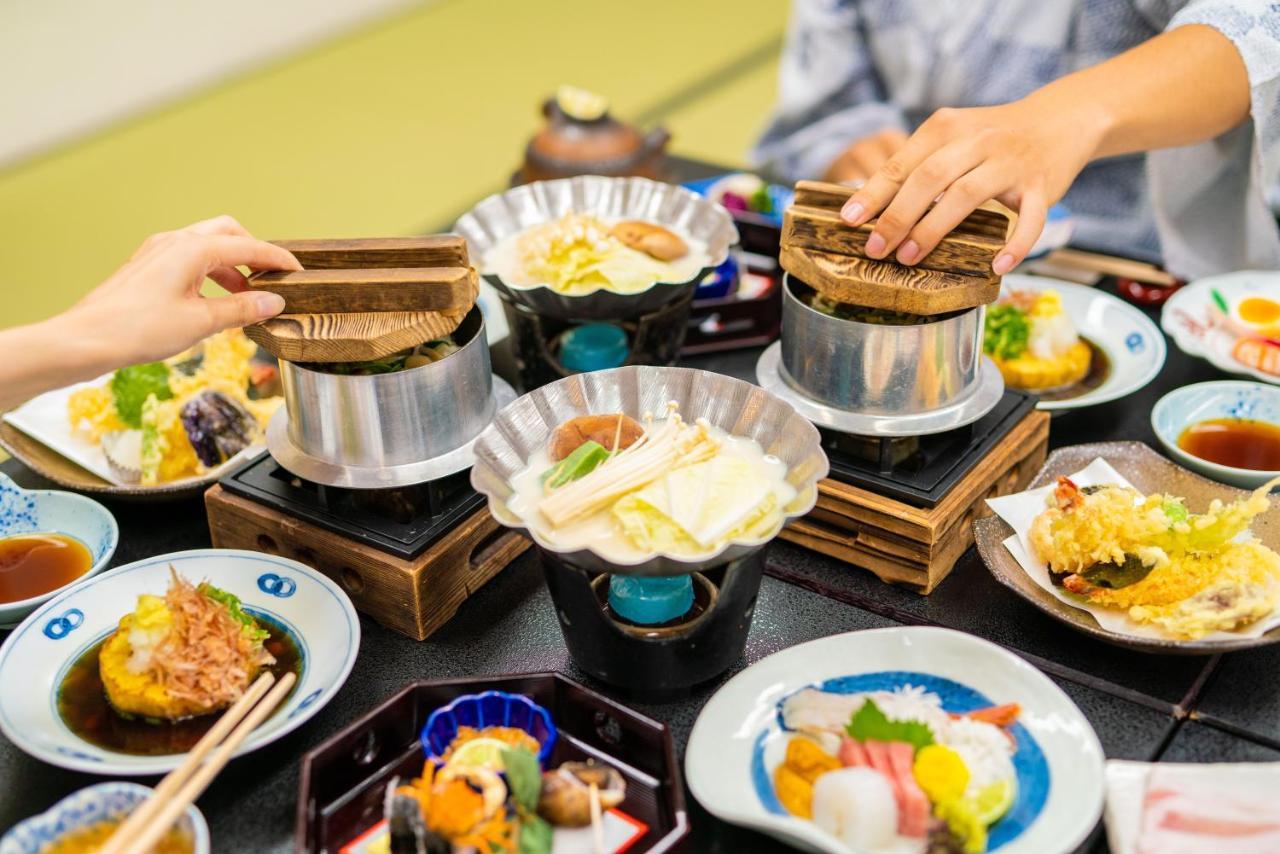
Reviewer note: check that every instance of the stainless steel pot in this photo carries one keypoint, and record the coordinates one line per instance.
(879, 369)
(387, 420)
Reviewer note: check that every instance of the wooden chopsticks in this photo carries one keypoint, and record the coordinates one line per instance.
(1109, 265)
(181, 786)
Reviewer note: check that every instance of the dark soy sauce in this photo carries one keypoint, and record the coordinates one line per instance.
(83, 706)
(1236, 442)
(1099, 371)
(34, 564)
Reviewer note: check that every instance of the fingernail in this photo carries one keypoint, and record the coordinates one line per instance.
(907, 252)
(875, 245)
(852, 212)
(1002, 264)
(267, 304)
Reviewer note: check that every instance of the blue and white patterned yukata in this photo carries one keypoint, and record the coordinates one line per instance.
(854, 67)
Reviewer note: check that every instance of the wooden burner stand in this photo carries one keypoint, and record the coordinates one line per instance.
(414, 597)
(918, 546)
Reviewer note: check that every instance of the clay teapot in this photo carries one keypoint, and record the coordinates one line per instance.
(581, 138)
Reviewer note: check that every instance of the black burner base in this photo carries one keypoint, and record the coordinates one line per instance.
(920, 470)
(656, 663)
(403, 521)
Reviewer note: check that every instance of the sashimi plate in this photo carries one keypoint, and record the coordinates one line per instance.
(313, 611)
(739, 738)
(1232, 320)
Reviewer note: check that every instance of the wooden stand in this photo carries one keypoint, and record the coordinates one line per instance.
(414, 597)
(918, 546)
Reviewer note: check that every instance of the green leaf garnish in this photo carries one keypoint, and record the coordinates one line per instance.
(582, 461)
(524, 777)
(535, 835)
(869, 723)
(131, 386)
(1006, 333)
(1175, 511)
(232, 602)
(1117, 575)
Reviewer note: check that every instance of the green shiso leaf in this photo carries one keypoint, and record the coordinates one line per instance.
(131, 386)
(1116, 575)
(232, 602)
(1220, 301)
(535, 835)
(524, 777)
(1006, 333)
(871, 724)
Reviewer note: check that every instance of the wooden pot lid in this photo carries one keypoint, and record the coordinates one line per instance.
(363, 299)
(829, 256)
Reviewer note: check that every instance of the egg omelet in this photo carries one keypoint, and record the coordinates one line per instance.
(1047, 354)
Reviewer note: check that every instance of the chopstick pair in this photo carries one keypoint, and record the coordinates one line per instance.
(181, 786)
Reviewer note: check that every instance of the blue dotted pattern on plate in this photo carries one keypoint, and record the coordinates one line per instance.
(27, 511)
(82, 809)
(1028, 759)
(490, 708)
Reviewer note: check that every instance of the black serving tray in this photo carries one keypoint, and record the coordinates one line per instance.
(343, 780)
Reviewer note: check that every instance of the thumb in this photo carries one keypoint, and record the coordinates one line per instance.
(243, 308)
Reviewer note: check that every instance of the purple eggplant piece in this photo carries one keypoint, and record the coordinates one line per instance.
(217, 426)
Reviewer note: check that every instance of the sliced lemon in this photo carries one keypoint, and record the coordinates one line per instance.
(580, 104)
(993, 801)
(480, 753)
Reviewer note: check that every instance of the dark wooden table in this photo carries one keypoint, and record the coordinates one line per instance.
(1155, 708)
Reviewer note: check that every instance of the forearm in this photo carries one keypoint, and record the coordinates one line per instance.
(1181, 87)
(49, 355)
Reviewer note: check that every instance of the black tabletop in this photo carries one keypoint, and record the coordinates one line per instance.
(1143, 707)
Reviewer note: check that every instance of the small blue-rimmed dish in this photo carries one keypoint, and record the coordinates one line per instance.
(302, 604)
(1223, 399)
(490, 708)
(50, 511)
(90, 806)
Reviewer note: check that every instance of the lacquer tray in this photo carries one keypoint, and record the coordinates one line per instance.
(343, 781)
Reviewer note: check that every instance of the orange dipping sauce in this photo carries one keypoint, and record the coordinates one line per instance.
(1235, 442)
(34, 564)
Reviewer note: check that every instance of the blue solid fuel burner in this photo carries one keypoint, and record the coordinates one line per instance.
(593, 347)
(650, 601)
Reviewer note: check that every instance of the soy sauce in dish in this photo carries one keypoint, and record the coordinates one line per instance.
(83, 706)
(35, 564)
(1099, 371)
(1237, 442)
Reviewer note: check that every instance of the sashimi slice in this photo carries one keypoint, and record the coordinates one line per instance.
(913, 809)
(852, 754)
(1210, 812)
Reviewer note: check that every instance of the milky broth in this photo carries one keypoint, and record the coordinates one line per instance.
(600, 531)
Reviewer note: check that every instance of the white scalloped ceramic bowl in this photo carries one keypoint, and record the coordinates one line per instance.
(100, 802)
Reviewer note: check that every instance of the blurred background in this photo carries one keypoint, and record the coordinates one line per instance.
(327, 118)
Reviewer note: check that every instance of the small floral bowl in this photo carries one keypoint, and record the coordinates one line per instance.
(102, 802)
(49, 511)
(491, 708)
(1225, 399)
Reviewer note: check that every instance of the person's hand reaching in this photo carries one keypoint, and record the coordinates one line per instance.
(860, 160)
(152, 308)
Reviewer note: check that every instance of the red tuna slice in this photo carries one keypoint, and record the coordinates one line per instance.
(852, 754)
(913, 808)
(878, 754)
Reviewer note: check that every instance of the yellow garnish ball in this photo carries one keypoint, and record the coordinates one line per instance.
(940, 772)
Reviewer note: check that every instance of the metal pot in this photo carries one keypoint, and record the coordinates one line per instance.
(879, 369)
(388, 420)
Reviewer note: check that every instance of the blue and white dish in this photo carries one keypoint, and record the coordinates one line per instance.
(739, 735)
(51, 511)
(489, 708)
(1191, 404)
(1133, 344)
(316, 613)
(87, 807)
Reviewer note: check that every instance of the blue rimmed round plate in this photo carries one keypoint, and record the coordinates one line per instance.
(307, 614)
(740, 736)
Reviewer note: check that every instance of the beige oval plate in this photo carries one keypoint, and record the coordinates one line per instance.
(1149, 472)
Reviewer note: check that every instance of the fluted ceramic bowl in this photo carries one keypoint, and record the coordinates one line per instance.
(739, 408)
(684, 211)
(87, 807)
(487, 709)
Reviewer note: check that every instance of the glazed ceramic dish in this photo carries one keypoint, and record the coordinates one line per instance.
(1133, 345)
(48, 511)
(1204, 320)
(1235, 399)
(1057, 758)
(90, 806)
(1148, 472)
(684, 211)
(306, 606)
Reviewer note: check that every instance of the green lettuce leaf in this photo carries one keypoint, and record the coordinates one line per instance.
(232, 601)
(869, 723)
(131, 386)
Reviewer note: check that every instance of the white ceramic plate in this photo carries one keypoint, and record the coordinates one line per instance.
(44, 418)
(1191, 404)
(1196, 323)
(1059, 760)
(35, 658)
(1134, 346)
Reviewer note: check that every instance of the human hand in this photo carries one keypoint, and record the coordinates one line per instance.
(860, 160)
(151, 308)
(1024, 154)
